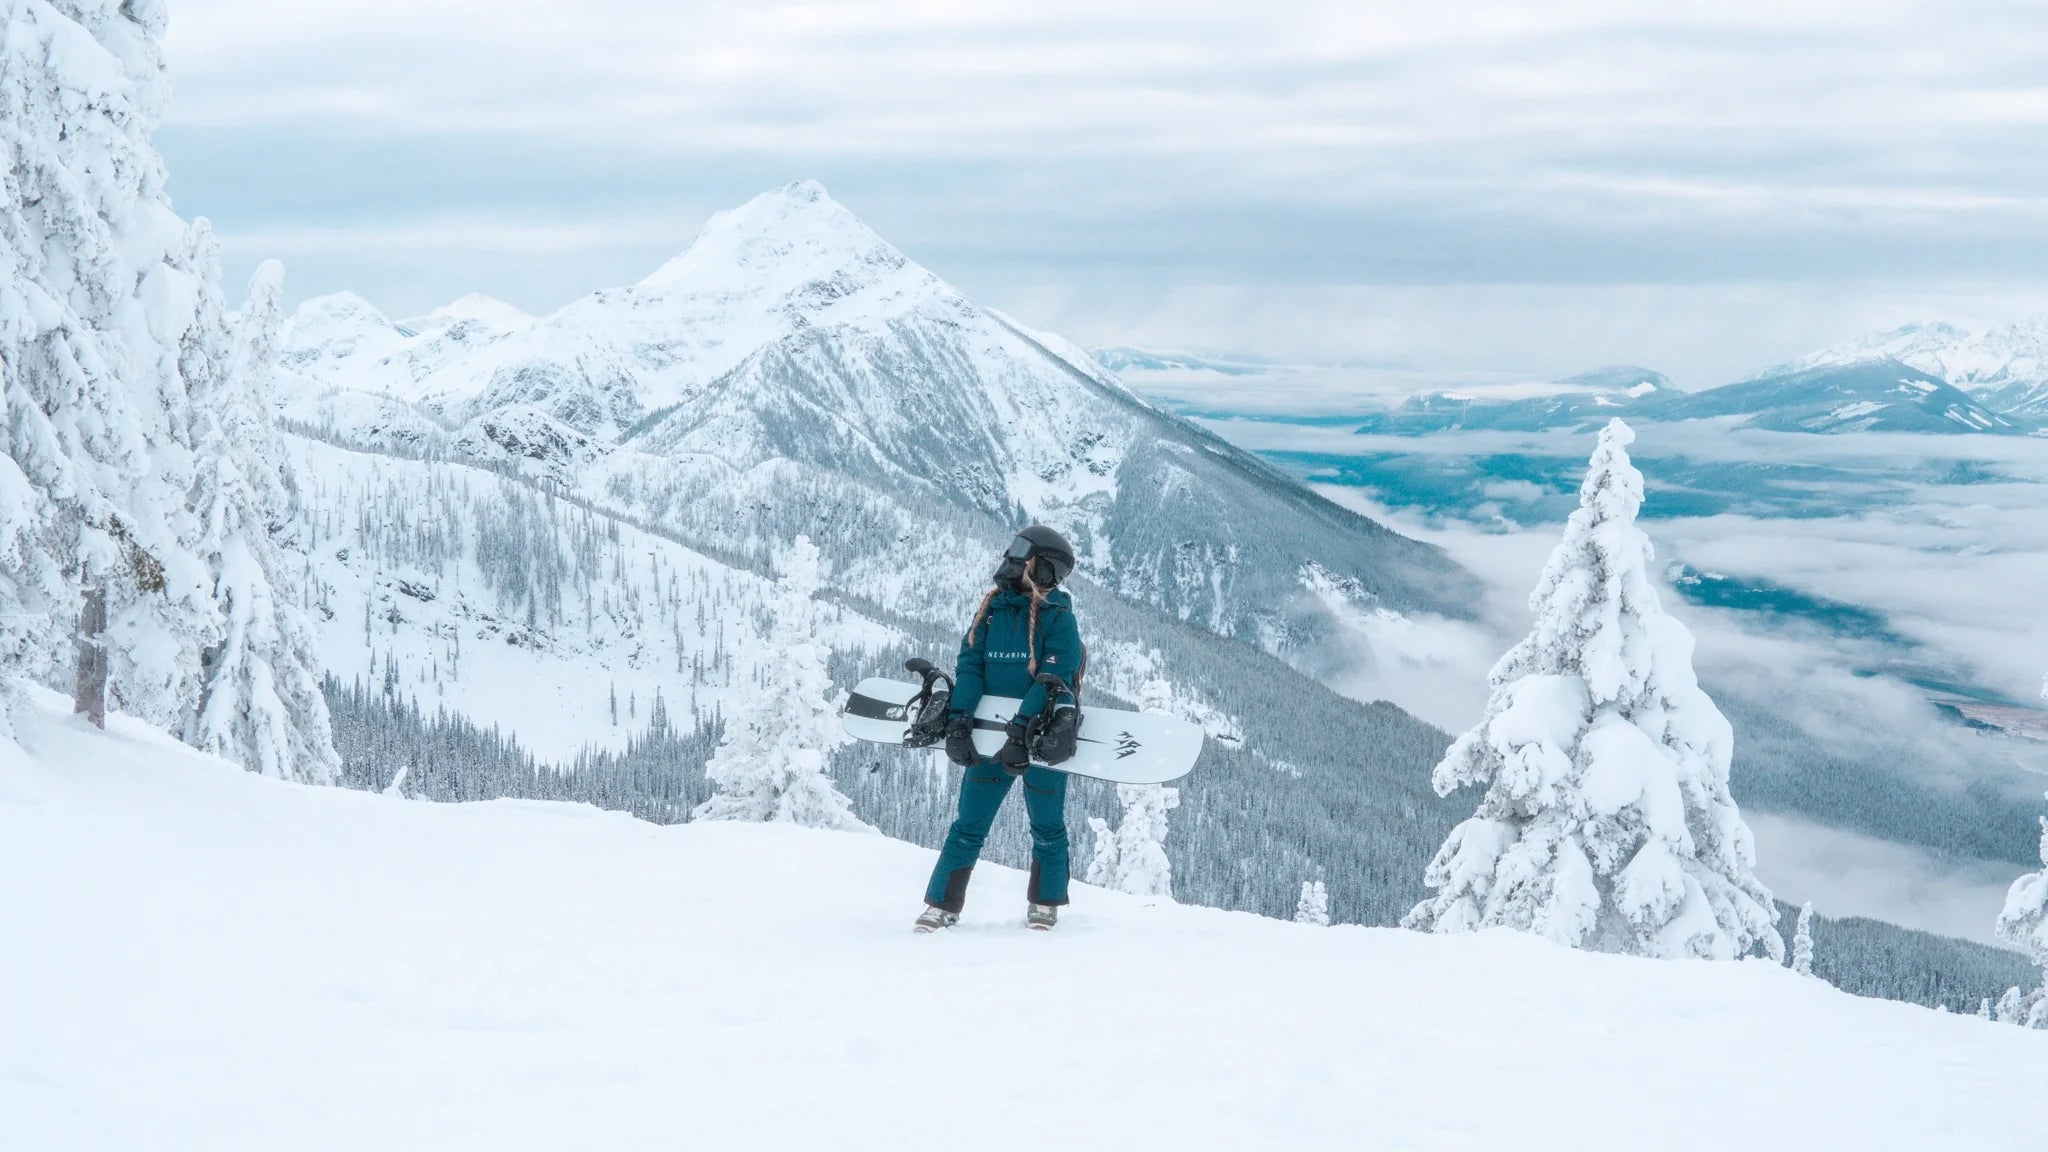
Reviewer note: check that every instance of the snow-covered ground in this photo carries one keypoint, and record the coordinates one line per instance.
(424, 571)
(201, 958)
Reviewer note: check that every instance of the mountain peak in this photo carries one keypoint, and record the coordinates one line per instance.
(805, 191)
(795, 232)
(2028, 333)
(1918, 330)
(476, 306)
(344, 305)
(2006, 367)
(1627, 379)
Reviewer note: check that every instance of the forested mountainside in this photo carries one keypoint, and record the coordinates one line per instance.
(793, 372)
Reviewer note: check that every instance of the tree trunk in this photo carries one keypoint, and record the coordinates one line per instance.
(90, 696)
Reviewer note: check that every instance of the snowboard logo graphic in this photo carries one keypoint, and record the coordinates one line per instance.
(1126, 744)
(896, 712)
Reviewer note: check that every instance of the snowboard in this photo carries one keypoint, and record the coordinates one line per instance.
(1124, 747)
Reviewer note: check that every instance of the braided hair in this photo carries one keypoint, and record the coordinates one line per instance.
(1037, 595)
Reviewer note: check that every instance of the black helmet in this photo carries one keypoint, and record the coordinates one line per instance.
(1046, 551)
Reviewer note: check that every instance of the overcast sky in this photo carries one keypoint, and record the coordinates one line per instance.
(1518, 187)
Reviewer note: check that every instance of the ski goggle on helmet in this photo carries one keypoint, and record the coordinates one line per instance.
(1047, 552)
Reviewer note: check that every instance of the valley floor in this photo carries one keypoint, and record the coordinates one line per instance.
(198, 958)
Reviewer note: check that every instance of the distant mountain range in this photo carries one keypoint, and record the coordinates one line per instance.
(1923, 378)
(1120, 359)
(1877, 395)
(2004, 368)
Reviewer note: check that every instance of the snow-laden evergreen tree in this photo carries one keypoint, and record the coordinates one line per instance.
(99, 291)
(1607, 821)
(1156, 695)
(1802, 941)
(1314, 905)
(138, 452)
(1101, 870)
(2016, 1007)
(260, 703)
(1132, 857)
(2024, 922)
(770, 765)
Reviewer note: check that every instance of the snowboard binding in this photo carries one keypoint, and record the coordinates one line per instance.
(927, 710)
(1054, 733)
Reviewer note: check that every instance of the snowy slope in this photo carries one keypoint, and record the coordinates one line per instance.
(200, 958)
(2005, 367)
(791, 359)
(343, 341)
(342, 327)
(1878, 395)
(473, 309)
(472, 591)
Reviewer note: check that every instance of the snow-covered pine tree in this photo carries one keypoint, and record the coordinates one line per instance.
(2015, 1007)
(1132, 857)
(1141, 867)
(1607, 821)
(770, 765)
(1156, 695)
(260, 703)
(1102, 862)
(1802, 941)
(2024, 922)
(1314, 905)
(99, 288)
(139, 455)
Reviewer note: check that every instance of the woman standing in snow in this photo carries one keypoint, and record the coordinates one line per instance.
(1023, 629)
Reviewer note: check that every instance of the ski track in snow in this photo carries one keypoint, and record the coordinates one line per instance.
(201, 958)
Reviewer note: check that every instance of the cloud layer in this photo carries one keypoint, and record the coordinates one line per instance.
(1422, 182)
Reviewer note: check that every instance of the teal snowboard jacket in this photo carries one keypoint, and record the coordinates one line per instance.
(997, 653)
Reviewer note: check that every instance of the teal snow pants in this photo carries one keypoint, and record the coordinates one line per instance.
(982, 789)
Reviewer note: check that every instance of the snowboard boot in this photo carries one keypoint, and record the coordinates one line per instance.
(1041, 917)
(935, 918)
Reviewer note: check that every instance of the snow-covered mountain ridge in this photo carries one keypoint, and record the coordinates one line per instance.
(785, 261)
(1864, 395)
(791, 360)
(521, 975)
(2004, 367)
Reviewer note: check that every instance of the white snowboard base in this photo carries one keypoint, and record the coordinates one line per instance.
(1125, 747)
